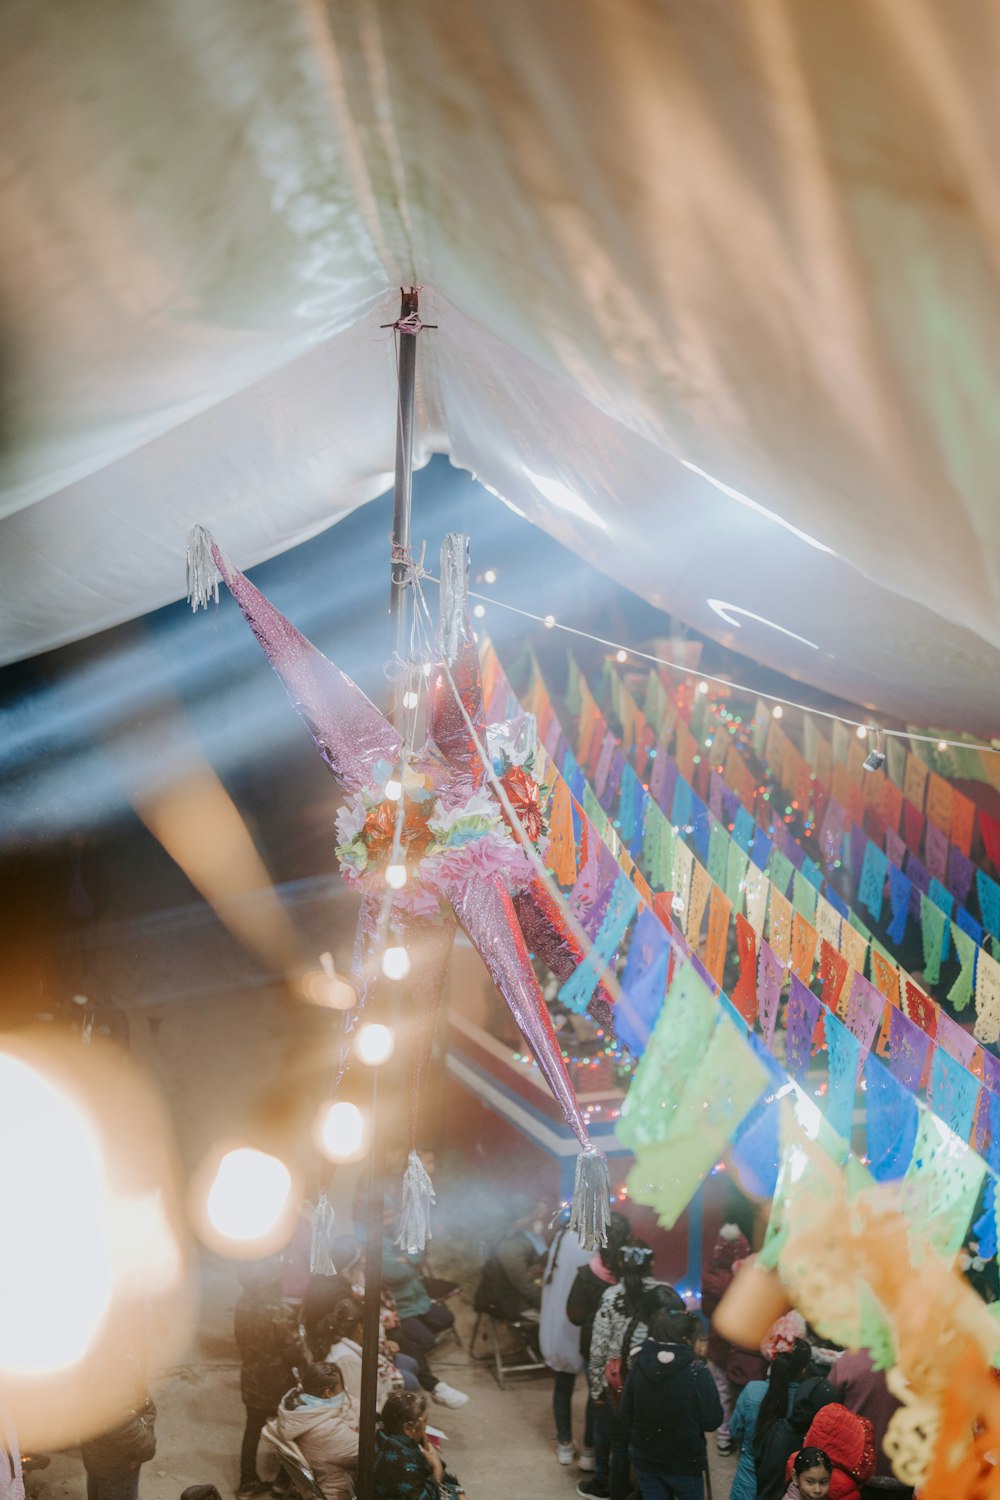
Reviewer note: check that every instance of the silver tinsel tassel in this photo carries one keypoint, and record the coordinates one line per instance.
(320, 1256)
(202, 574)
(415, 1214)
(591, 1211)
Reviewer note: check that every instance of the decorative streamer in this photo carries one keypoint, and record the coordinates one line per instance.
(323, 1227)
(802, 1015)
(932, 928)
(770, 976)
(804, 941)
(744, 996)
(891, 1119)
(965, 949)
(779, 924)
(719, 912)
(871, 885)
(952, 1093)
(844, 1053)
(577, 991)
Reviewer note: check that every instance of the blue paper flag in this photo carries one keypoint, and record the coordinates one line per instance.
(953, 1093)
(744, 829)
(642, 801)
(761, 852)
(812, 873)
(843, 1051)
(899, 900)
(890, 1122)
(838, 903)
(989, 902)
(621, 908)
(680, 812)
(644, 984)
(627, 788)
(968, 924)
(756, 1149)
(985, 1227)
(700, 827)
(872, 883)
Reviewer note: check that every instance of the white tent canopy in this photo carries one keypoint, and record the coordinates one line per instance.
(716, 287)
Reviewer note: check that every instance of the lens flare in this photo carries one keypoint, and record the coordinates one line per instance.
(340, 1132)
(54, 1252)
(395, 963)
(249, 1195)
(374, 1043)
(395, 876)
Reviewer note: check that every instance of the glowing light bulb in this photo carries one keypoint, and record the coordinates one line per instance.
(861, 732)
(490, 576)
(703, 687)
(410, 700)
(393, 789)
(374, 1043)
(621, 656)
(395, 963)
(479, 610)
(549, 621)
(249, 1194)
(395, 876)
(777, 711)
(942, 744)
(341, 1131)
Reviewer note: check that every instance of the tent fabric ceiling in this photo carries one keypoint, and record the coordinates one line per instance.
(669, 246)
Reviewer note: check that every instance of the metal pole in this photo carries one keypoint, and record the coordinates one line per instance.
(399, 612)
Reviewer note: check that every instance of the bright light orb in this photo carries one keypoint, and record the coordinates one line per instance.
(393, 789)
(395, 876)
(54, 1253)
(549, 621)
(374, 1044)
(621, 656)
(479, 610)
(341, 1133)
(490, 576)
(395, 963)
(703, 687)
(249, 1194)
(861, 732)
(777, 711)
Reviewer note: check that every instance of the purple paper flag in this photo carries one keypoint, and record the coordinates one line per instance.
(907, 1050)
(552, 737)
(602, 769)
(956, 1041)
(895, 848)
(831, 833)
(770, 975)
(658, 773)
(715, 786)
(865, 1007)
(960, 872)
(609, 795)
(858, 843)
(803, 1013)
(991, 1071)
(919, 877)
(936, 852)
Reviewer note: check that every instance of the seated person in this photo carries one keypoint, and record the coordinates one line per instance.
(342, 1332)
(407, 1466)
(321, 1420)
(421, 1321)
(323, 1293)
(511, 1283)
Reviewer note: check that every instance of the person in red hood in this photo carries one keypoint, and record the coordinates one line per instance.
(732, 1366)
(849, 1442)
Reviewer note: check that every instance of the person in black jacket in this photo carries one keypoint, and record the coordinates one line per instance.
(668, 1404)
(267, 1335)
(775, 1442)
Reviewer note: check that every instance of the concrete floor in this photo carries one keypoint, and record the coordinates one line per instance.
(500, 1445)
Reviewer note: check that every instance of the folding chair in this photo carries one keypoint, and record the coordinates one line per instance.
(495, 1352)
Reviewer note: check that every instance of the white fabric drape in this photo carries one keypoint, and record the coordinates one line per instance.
(757, 238)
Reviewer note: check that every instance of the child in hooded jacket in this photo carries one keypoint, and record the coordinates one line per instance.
(669, 1403)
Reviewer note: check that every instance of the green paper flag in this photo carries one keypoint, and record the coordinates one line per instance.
(941, 1185)
(780, 869)
(595, 812)
(804, 896)
(896, 750)
(965, 948)
(736, 869)
(679, 1039)
(932, 929)
(725, 1085)
(574, 698)
(718, 853)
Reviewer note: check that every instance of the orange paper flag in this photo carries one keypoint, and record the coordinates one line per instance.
(719, 911)
(963, 813)
(562, 845)
(886, 977)
(939, 802)
(804, 940)
(701, 884)
(744, 995)
(915, 781)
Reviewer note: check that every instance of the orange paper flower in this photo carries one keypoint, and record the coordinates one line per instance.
(380, 829)
(522, 791)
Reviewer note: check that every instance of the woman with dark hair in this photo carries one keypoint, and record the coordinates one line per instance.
(342, 1331)
(407, 1465)
(776, 1441)
(761, 1403)
(592, 1281)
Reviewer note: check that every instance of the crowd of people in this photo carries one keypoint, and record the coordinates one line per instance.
(806, 1421)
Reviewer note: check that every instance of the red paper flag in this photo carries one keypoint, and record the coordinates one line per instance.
(833, 974)
(744, 995)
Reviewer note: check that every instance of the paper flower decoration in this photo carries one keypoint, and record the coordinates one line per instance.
(465, 865)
